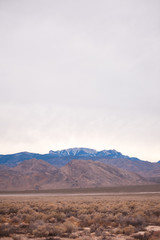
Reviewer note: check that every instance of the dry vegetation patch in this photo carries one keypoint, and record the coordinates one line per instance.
(94, 217)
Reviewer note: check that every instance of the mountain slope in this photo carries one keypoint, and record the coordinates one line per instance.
(30, 174)
(143, 168)
(83, 173)
(37, 174)
(34, 165)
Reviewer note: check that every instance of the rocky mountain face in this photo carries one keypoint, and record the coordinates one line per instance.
(90, 173)
(87, 153)
(36, 174)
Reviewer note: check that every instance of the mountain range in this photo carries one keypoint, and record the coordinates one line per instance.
(36, 174)
(62, 157)
(74, 167)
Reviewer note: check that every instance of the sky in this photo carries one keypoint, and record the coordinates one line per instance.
(80, 74)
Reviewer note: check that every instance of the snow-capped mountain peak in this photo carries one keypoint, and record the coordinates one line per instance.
(74, 152)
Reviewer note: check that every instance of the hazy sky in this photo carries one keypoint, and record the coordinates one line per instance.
(80, 73)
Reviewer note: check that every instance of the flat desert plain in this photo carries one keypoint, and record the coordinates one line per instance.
(83, 216)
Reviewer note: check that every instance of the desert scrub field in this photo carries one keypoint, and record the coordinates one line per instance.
(80, 217)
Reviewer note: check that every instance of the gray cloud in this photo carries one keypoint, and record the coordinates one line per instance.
(80, 73)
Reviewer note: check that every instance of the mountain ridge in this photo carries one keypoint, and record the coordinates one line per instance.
(111, 157)
(53, 157)
(36, 174)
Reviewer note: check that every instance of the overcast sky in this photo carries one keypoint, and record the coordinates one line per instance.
(80, 73)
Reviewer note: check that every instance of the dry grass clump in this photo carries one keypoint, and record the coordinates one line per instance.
(155, 236)
(80, 218)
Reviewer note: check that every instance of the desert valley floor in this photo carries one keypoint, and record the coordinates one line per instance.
(80, 216)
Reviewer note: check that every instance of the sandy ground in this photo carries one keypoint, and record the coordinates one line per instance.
(76, 194)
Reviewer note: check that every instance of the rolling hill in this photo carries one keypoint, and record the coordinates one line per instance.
(36, 174)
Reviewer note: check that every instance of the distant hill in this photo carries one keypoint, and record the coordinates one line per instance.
(144, 168)
(90, 173)
(13, 160)
(36, 174)
(110, 157)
